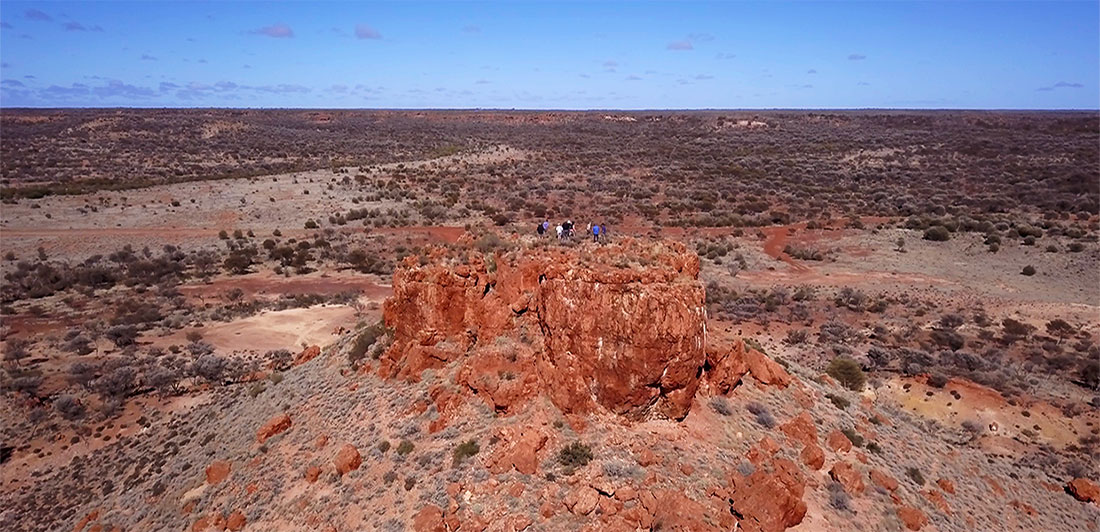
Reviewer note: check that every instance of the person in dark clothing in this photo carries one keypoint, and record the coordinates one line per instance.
(541, 229)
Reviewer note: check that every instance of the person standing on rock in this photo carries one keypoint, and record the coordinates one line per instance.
(560, 229)
(545, 226)
(595, 233)
(541, 229)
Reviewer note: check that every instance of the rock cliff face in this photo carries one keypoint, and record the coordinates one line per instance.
(620, 327)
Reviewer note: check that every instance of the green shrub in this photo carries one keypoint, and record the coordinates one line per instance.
(465, 450)
(847, 372)
(384, 446)
(405, 447)
(1028, 270)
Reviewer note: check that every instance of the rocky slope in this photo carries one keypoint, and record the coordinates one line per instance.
(529, 388)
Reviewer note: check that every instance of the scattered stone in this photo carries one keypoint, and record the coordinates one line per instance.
(912, 518)
(429, 519)
(347, 459)
(847, 476)
(217, 471)
(882, 479)
(838, 442)
(946, 485)
(275, 425)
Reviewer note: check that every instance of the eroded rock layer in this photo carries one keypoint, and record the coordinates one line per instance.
(620, 327)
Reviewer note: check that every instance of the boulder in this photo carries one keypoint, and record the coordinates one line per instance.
(801, 429)
(236, 521)
(307, 354)
(936, 497)
(347, 459)
(519, 450)
(1084, 490)
(912, 518)
(429, 519)
(838, 442)
(582, 501)
(847, 476)
(946, 485)
(813, 456)
(770, 499)
(275, 425)
(217, 471)
(882, 479)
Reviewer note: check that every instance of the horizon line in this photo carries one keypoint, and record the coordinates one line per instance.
(560, 109)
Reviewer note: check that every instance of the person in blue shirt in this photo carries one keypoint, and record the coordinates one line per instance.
(595, 233)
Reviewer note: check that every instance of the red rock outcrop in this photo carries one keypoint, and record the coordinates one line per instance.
(620, 327)
(1084, 490)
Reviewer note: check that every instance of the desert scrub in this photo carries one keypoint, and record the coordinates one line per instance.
(405, 447)
(465, 450)
(847, 372)
(368, 339)
(721, 405)
(838, 401)
(852, 436)
(763, 415)
(575, 455)
(915, 475)
(937, 233)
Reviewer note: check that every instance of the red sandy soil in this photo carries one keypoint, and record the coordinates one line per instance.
(268, 283)
(433, 234)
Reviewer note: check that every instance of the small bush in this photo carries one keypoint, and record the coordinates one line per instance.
(465, 450)
(763, 416)
(853, 436)
(838, 401)
(575, 455)
(366, 340)
(847, 372)
(1028, 270)
(937, 233)
(721, 405)
(838, 498)
(915, 474)
(384, 446)
(405, 447)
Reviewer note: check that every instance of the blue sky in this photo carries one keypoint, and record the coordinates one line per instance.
(541, 55)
